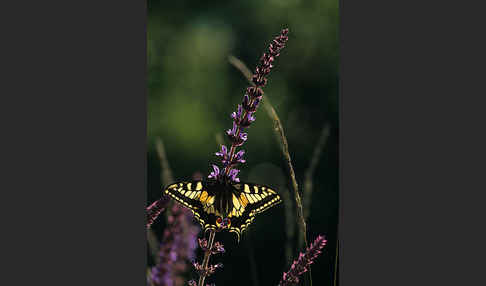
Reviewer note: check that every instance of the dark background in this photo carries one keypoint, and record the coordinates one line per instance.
(192, 89)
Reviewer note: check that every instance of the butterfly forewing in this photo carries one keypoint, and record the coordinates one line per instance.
(197, 197)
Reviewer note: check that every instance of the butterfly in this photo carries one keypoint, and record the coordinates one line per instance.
(219, 205)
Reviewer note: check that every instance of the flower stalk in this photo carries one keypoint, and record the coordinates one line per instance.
(244, 115)
(207, 255)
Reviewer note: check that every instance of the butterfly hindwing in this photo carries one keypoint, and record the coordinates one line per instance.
(252, 199)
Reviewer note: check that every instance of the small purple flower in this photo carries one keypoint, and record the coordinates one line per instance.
(239, 157)
(243, 137)
(233, 174)
(248, 120)
(217, 248)
(237, 138)
(233, 131)
(215, 173)
(224, 155)
(246, 103)
(237, 115)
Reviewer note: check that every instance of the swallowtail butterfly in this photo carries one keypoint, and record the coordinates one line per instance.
(217, 205)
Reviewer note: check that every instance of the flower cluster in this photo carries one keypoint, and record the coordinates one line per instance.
(215, 248)
(177, 248)
(244, 116)
(202, 271)
(301, 265)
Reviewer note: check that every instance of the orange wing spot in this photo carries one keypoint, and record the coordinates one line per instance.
(203, 197)
(243, 200)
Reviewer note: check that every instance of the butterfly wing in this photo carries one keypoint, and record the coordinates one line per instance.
(248, 200)
(197, 196)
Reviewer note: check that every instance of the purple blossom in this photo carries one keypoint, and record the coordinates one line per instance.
(239, 157)
(247, 120)
(224, 155)
(233, 174)
(244, 116)
(217, 246)
(246, 103)
(215, 173)
(233, 131)
(237, 115)
(236, 137)
(301, 265)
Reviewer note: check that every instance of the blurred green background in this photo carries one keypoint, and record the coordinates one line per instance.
(192, 90)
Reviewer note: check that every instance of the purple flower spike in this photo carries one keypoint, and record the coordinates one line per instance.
(301, 265)
(244, 116)
(215, 173)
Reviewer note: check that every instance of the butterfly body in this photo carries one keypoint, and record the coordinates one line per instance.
(220, 205)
